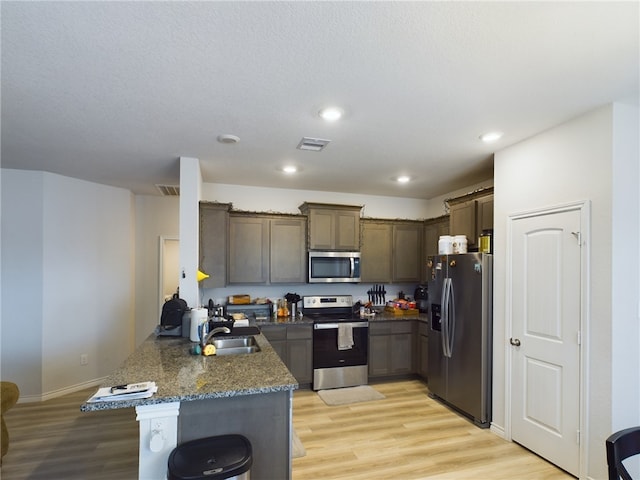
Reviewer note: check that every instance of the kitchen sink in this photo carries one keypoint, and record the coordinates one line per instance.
(237, 350)
(235, 346)
(234, 342)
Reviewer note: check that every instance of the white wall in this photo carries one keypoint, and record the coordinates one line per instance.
(282, 200)
(67, 281)
(22, 279)
(625, 285)
(155, 217)
(571, 162)
(190, 187)
(169, 273)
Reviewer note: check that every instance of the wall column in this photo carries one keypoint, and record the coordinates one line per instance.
(190, 187)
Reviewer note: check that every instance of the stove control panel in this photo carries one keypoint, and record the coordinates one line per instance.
(327, 301)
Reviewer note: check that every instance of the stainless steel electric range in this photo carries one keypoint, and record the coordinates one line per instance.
(340, 342)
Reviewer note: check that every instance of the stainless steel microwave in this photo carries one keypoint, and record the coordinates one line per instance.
(334, 267)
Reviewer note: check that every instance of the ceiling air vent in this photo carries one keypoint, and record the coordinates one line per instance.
(169, 190)
(313, 144)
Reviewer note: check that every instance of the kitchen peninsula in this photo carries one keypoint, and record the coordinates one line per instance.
(198, 396)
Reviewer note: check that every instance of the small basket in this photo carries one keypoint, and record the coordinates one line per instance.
(401, 312)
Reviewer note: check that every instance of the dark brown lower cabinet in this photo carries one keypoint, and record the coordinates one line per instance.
(423, 349)
(396, 348)
(391, 348)
(294, 346)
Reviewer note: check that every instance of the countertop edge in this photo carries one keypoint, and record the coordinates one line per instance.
(378, 317)
(98, 406)
(182, 377)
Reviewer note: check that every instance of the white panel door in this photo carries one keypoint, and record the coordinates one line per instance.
(545, 316)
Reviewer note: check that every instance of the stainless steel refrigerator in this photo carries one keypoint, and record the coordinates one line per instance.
(460, 326)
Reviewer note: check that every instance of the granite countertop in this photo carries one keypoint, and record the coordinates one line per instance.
(182, 377)
(386, 316)
(380, 316)
(285, 321)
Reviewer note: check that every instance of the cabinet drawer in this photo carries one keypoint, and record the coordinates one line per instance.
(390, 327)
(298, 331)
(274, 332)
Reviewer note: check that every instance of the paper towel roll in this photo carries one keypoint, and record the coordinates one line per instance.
(198, 317)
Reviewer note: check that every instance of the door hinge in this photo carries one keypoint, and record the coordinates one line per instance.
(579, 337)
(578, 437)
(578, 236)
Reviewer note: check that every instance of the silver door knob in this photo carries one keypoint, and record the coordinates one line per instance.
(515, 342)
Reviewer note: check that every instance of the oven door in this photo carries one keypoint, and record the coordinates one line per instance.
(325, 345)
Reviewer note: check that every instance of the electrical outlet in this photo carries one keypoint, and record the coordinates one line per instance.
(84, 359)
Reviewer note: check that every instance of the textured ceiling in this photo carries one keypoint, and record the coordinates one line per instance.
(116, 92)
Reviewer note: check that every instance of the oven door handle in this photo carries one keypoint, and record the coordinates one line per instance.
(334, 326)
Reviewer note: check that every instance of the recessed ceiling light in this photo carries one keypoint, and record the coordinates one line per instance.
(330, 114)
(403, 179)
(491, 136)
(290, 169)
(226, 138)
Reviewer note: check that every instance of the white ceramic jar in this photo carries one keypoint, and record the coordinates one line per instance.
(445, 245)
(460, 244)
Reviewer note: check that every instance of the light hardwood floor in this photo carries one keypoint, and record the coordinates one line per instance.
(404, 436)
(407, 435)
(53, 440)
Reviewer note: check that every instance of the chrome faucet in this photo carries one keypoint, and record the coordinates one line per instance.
(213, 332)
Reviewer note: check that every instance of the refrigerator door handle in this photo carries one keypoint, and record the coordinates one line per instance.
(443, 318)
(451, 310)
(447, 317)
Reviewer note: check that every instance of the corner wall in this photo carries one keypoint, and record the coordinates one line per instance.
(67, 284)
(573, 161)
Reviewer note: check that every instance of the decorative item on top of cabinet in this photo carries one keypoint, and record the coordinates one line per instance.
(471, 214)
(214, 223)
(332, 227)
(391, 251)
(266, 249)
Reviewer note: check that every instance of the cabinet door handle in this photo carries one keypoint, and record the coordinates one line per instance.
(515, 342)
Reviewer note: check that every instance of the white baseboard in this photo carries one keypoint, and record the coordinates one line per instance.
(498, 430)
(60, 392)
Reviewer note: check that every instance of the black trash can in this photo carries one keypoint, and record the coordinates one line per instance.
(211, 458)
